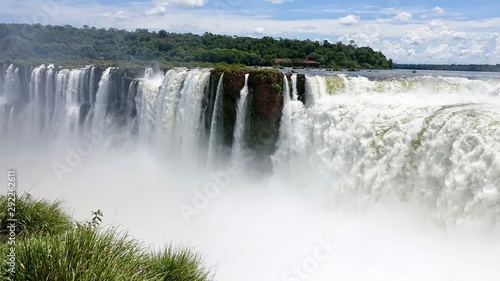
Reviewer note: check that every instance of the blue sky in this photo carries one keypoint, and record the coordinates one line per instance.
(407, 31)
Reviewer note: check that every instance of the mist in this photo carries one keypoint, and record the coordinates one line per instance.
(264, 230)
(380, 180)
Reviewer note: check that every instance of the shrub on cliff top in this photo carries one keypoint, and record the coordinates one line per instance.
(88, 254)
(48, 246)
(33, 217)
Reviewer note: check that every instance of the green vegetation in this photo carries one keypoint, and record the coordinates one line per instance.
(69, 46)
(49, 247)
(34, 217)
(450, 67)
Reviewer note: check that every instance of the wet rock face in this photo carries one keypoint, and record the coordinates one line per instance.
(232, 84)
(265, 103)
(301, 87)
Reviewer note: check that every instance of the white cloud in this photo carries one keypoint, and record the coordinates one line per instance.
(156, 11)
(185, 3)
(403, 17)
(350, 20)
(278, 1)
(438, 10)
(118, 16)
(161, 6)
(259, 30)
(435, 30)
(438, 43)
(416, 41)
(185, 27)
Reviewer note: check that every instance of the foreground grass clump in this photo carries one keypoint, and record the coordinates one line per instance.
(87, 252)
(33, 217)
(81, 254)
(179, 265)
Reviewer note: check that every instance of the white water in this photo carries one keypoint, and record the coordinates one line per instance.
(438, 150)
(213, 142)
(101, 101)
(402, 182)
(294, 87)
(239, 141)
(188, 127)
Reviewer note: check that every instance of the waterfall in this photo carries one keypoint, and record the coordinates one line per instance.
(295, 95)
(167, 104)
(433, 141)
(169, 109)
(283, 152)
(188, 129)
(239, 141)
(101, 102)
(37, 102)
(315, 89)
(213, 142)
(147, 95)
(404, 139)
(366, 167)
(11, 95)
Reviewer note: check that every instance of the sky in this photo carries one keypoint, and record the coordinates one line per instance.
(440, 31)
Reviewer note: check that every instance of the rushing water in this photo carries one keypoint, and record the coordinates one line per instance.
(239, 142)
(383, 176)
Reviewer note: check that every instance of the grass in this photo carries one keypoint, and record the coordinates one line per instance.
(33, 217)
(50, 247)
(179, 264)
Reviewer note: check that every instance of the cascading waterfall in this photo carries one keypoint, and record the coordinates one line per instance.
(147, 95)
(434, 141)
(283, 152)
(440, 148)
(293, 135)
(187, 126)
(11, 88)
(101, 102)
(295, 95)
(71, 102)
(239, 141)
(361, 171)
(169, 109)
(213, 142)
(57, 107)
(37, 102)
(168, 101)
(315, 89)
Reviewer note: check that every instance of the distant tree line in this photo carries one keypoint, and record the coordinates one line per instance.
(90, 44)
(450, 67)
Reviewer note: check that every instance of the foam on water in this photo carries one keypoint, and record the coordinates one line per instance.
(373, 179)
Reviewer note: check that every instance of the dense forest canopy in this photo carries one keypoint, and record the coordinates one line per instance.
(90, 44)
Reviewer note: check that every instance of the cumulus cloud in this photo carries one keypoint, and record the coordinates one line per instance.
(278, 1)
(435, 30)
(403, 17)
(156, 11)
(184, 27)
(161, 6)
(309, 27)
(185, 3)
(438, 10)
(438, 43)
(117, 16)
(259, 30)
(362, 39)
(350, 20)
